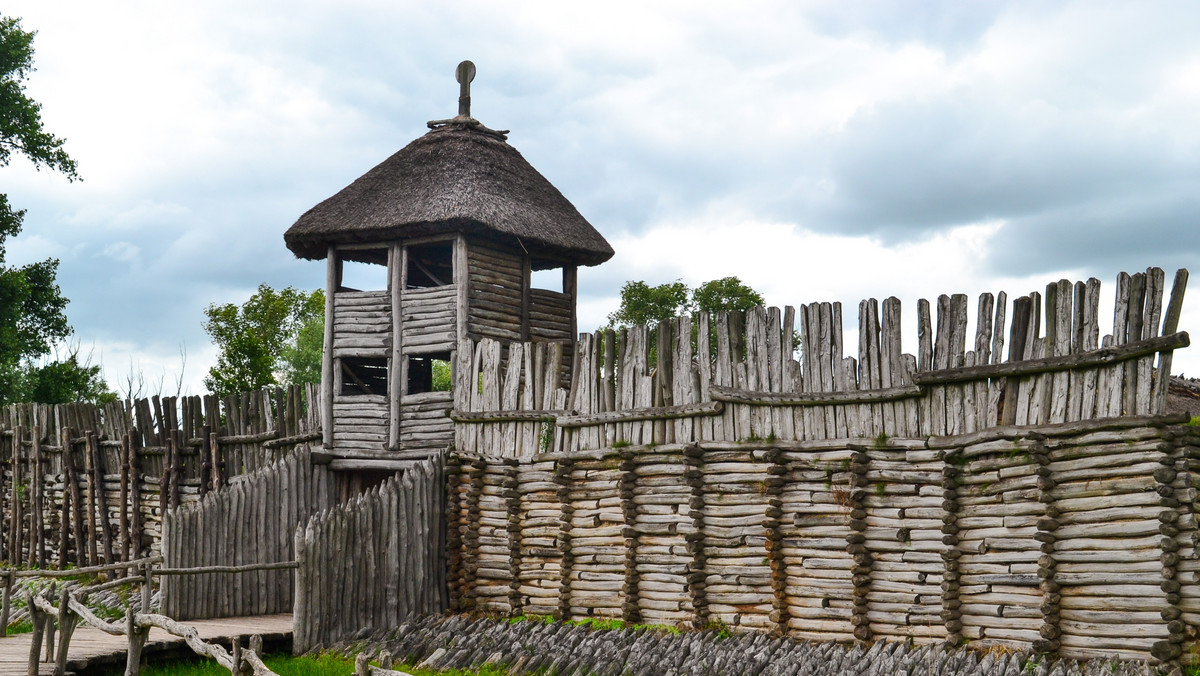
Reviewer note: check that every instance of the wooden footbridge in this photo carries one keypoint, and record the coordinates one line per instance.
(68, 636)
(90, 647)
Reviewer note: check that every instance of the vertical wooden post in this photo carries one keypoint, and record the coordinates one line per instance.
(951, 603)
(37, 618)
(123, 516)
(396, 281)
(300, 617)
(71, 477)
(6, 605)
(571, 289)
(66, 627)
(206, 459)
(48, 619)
(526, 284)
(176, 445)
(215, 449)
(14, 524)
(92, 536)
(37, 551)
(135, 496)
(462, 279)
(164, 481)
(64, 514)
(256, 644)
(147, 586)
(333, 270)
(77, 505)
(5, 535)
(1170, 324)
(93, 449)
(137, 639)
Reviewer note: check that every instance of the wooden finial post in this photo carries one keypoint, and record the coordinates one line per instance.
(464, 74)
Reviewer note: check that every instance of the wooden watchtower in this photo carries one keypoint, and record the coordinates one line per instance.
(452, 226)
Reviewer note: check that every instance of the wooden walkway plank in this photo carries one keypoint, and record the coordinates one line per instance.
(91, 647)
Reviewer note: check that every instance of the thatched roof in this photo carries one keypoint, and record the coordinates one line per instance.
(458, 177)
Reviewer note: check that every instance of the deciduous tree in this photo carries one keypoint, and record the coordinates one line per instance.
(645, 304)
(642, 303)
(264, 341)
(32, 318)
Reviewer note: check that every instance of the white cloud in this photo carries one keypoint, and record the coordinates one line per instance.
(819, 150)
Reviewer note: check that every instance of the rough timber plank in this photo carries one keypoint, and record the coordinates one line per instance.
(91, 647)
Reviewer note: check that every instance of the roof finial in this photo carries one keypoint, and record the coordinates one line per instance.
(464, 74)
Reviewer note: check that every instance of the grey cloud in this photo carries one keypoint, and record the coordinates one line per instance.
(950, 25)
(903, 169)
(1124, 232)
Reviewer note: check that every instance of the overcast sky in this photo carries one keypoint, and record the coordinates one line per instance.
(817, 150)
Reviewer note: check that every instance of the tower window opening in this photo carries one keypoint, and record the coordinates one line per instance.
(364, 270)
(430, 265)
(550, 280)
(429, 373)
(364, 375)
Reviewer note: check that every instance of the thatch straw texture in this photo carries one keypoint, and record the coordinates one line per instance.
(450, 180)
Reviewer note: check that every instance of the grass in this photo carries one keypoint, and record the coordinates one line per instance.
(323, 665)
(597, 623)
(20, 628)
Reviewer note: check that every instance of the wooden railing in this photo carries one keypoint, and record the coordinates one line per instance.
(71, 610)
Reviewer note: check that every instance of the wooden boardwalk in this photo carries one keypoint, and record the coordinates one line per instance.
(92, 647)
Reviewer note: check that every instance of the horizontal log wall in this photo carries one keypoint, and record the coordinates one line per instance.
(373, 562)
(425, 424)
(250, 522)
(734, 377)
(362, 323)
(429, 319)
(1078, 538)
(494, 300)
(103, 500)
(360, 422)
(549, 315)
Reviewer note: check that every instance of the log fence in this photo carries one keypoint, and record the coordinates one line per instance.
(732, 377)
(367, 565)
(126, 463)
(251, 521)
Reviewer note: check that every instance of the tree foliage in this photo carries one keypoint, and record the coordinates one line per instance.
(645, 304)
(302, 355)
(32, 317)
(727, 294)
(65, 381)
(263, 341)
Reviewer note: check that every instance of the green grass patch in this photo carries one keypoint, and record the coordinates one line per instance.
(286, 665)
(23, 627)
(544, 619)
(612, 624)
(1195, 422)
